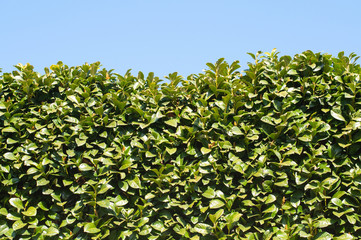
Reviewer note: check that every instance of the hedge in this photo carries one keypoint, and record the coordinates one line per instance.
(272, 152)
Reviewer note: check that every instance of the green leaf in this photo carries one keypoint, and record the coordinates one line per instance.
(16, 202)
(236, 131)
(42, 182)
(216, 203)
(351, 219)
(171, 151)
(271, 209)
(172, 122)
(323, 236)
(9, 130)
(121, 202)
(91, 228)
(305, 138)
(42, 206)
(13, 217)
(85, 167)
(32, 170)
(233, 217)
(135, 183)
(104, 203)
(3, 211)
(202, 228)
(143, 221)
(337, 116)
(292, 72)
(104, 134)
(216, 216)
(51, 231)
(73, 99)
(159, 226)
(30, 212)
(146, 230)
(80, 142)
(345, 236)
(18, 225)
(72, 120)
(270, 199)
(337, 202)
(9, 156)
(322, 223)
(267, 120)
(11, 141)
(104, 188)
(209, 193)
(205, 150)
(149, 155)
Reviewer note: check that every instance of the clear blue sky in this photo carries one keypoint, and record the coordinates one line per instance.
(169, 35)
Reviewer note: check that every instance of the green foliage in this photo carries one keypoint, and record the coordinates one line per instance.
(273, 153)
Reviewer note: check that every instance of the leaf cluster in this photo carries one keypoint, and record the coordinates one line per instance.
(271, 152)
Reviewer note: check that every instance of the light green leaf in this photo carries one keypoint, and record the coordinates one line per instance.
(72, 120)
(270, 199)
(32, 170)
(209, 193)
(306, 138)
(114, 124)
(345, 236)
(9, 130)
(337, 202)
(149, 155)
(121, 202)
(202, 228)
(13, 217)
(172, 122)
(104, 188)
(16, 202)
(42, 206)
(30, 212)
(85, 167)
(143, 221)
(267, 120)
(11, 141)
(205, 150)
(9, 156)
(233, 217)
(3, 211)
(323, 236)
(236, 131)
(351, 219)
(104, 134)
(159, 226)
(171, 151)
(216, 203)
(80, 142)
(216, 216)
(51, 231)
(42, 182)
(18, 225)
(337, 116)
(91, 228)
(322, 223)
(104, 203)
(271, 209)
(135, 183)
(73, 99)
(145, 232)
(292, 72)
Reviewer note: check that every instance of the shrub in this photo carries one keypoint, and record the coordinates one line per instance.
(274, 153)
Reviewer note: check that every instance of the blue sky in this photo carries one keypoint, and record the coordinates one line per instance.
(171, 36)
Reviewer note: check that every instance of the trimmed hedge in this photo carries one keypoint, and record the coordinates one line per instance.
(273, 153)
